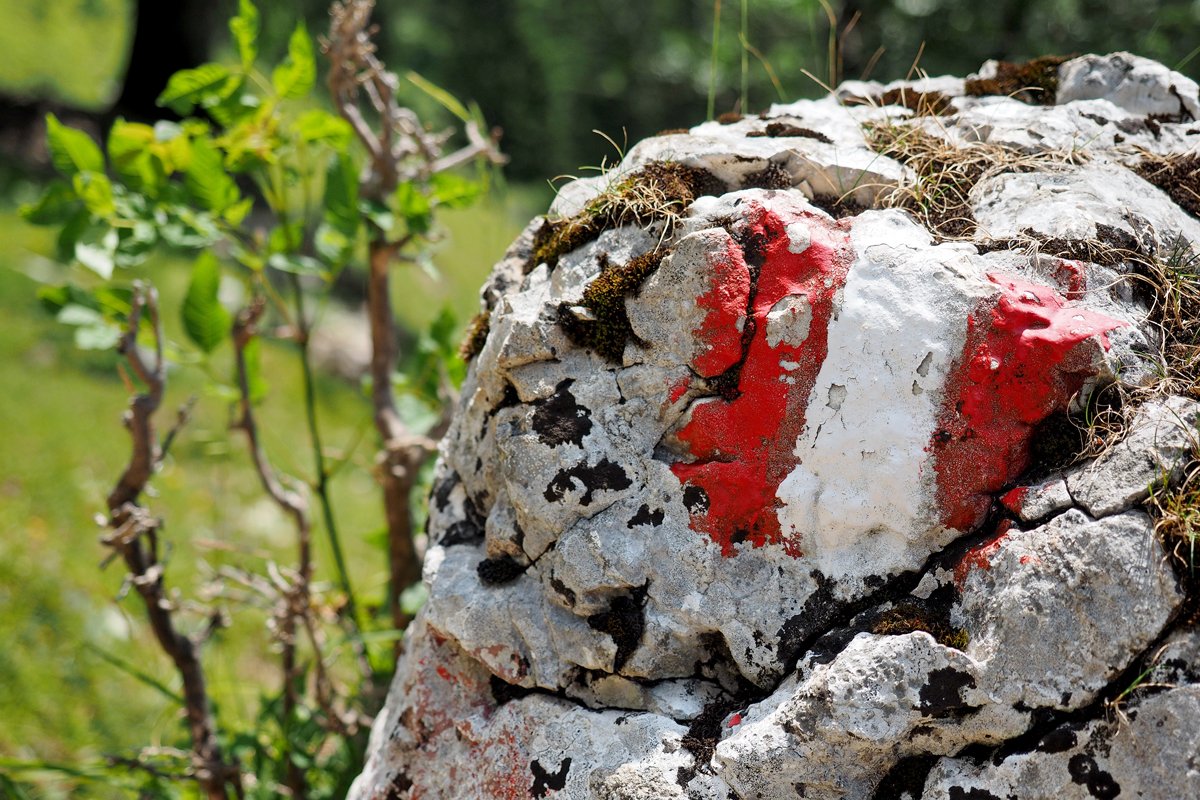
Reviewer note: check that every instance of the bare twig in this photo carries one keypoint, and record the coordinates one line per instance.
(130, 522)
(295, 598)
(402, 149)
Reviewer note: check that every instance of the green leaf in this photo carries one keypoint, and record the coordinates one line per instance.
(414, 206)
(294, 78)
(95, 189)
(188, 87)
(252, 353)
(321, 126)
(207, 180)
(98, 255)
(101, 336)
(76, 314)
(379, 214)
(135, 243)
(205, 320)
(412, 598)
(245, 32)
(129, 151)
(439, 94)
(341, 195)
(332, 246)
(233, 105)
(57, 204)
(298, 265)
(455, 191)
(71, 232)
(72, 150)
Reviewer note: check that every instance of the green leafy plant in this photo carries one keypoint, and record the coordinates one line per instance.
(275, 196)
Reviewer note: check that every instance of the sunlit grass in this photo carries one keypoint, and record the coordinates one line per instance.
(73, 51)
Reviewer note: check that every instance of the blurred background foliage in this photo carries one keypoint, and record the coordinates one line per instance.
(547, 72)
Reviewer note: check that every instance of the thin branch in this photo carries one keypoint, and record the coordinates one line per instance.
(402, 149)
(130, 522)
(295, 600)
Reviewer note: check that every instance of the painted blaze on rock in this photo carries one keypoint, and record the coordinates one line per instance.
(642, 570)
(1020, 354)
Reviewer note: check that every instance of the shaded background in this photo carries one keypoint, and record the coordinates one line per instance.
(548, 72)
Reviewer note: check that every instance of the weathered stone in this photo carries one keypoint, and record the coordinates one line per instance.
(1135, 84)
(1042, 499)
(760, 554)
(1159, 438)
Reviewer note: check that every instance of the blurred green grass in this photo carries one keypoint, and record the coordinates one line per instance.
(70, 50)
(62, 446)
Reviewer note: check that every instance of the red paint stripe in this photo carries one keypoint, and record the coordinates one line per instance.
(744, 448)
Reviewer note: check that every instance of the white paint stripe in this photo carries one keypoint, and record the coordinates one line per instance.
(860, 493)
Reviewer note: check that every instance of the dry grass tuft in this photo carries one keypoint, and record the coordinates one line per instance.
(947, 172)
(1178, 176)
(658, 192)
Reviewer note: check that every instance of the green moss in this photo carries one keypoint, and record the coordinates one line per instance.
(605, 298)
(1034, 82)
(476, 335)
(659, 191)
(909, 617)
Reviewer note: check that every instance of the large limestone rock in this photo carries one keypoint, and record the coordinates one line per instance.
(786, 541)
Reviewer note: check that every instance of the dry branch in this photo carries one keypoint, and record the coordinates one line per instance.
(134, 537)
(400, 149)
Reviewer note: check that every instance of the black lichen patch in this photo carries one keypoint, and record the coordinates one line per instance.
(475, 336)
(645, 516)
(779, 129)
(443, 488)
(545, 782)
(1034, 82)
(468, 530)
(503, 691)
(772, 176)
(559, 419)
(820, 609)
(400, 784)
(695, 499)
(624, 622)
(942, 695)
(497, 571)
(974, 793)
(907, 617)
(1178, 176)
(659, 191)
(906, 778)
(564, 591)
(1086, 772)
(605, 297)
(606, 475)
(1057, 741)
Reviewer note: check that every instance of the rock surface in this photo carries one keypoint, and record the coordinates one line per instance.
(791, 542)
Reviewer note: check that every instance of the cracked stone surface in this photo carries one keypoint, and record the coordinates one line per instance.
(792, 542)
